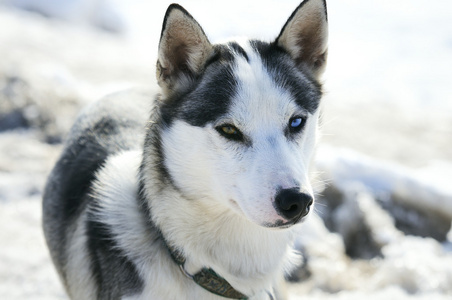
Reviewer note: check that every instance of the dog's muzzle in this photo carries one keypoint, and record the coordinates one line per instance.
(293, 205)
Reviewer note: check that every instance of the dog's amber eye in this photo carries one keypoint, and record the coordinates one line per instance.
(230, 132)
(228, 129)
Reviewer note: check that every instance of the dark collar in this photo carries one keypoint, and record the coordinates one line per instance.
(206, 278)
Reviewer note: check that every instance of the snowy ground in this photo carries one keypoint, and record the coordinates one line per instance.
(383, 220)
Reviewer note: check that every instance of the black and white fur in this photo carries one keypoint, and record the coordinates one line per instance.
(216, 163)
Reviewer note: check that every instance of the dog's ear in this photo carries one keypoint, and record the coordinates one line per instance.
(183, 49)
(305, 35)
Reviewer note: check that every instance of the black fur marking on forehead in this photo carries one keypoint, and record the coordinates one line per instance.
(304, 88)
(239, 50)
(209, 97)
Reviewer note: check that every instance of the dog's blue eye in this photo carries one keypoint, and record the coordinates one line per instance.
(296, 124)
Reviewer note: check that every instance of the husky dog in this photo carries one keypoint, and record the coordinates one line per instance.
(195, 191)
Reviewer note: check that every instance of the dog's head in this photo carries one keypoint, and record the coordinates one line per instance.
(239, 120)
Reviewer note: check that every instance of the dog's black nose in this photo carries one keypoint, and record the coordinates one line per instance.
(292, 204)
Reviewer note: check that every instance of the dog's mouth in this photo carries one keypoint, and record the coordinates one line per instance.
(281, 224)
(234, 204)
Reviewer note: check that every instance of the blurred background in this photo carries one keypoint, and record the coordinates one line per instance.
(382, 227)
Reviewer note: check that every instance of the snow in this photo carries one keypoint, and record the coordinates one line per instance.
(101, 13)
(382, 228)
(425, 187)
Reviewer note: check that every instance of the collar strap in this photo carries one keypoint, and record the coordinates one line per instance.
(206, 278)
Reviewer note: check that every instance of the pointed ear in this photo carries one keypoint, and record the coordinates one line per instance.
(183, 48)
(305, 35)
